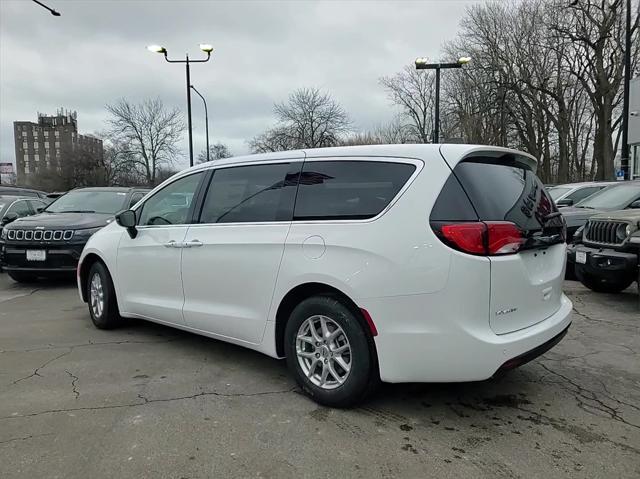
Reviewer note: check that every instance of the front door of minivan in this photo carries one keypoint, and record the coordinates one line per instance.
(148, 266)
(231, 262)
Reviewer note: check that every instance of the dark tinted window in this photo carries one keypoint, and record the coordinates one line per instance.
(255, 193)
(583, 193)
(172, 204)
(348, 189)
(453, 204)
(503, 192)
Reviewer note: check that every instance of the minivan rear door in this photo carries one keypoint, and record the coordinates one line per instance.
(526, 287)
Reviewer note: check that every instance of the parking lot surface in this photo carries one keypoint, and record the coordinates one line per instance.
(150, 401)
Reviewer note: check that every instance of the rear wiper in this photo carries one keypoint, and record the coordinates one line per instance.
(550, 216)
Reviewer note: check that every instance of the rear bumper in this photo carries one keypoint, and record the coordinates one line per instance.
(446, 352)
(604, 263)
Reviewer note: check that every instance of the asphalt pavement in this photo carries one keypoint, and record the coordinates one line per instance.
(148, 401)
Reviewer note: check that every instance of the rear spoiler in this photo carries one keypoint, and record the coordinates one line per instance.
(455, 153)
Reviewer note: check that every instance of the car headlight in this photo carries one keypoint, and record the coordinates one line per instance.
(85, 234)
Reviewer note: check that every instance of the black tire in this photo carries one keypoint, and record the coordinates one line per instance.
(363, 375)
(22, 277)
(602, 285)
(108, 317)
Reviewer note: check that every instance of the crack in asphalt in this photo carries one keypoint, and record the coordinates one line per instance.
(605, 321)
(30, 436)
(588, 399)
(36, 370)
(576, 431)
(21, 295)
(74, 380)
(90, 343)
(146, 401)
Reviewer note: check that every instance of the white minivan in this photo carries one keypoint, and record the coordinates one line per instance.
(400, 263)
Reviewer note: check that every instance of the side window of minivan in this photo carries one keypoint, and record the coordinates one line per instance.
(172, 204)
(250, 194)
(344, 189)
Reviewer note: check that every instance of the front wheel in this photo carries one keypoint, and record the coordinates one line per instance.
(602, 285)
(101, 298)
(328, 352)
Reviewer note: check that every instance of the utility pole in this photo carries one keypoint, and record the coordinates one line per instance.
(624, 154)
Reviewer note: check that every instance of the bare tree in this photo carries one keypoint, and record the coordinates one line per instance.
(148, 132)
(413, 91)
(596, 32)
(217, 151)
(394, 132)
(310, 118)
(79, 168)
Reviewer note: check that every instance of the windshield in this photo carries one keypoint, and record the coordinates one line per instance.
(612, 198)
(108, 202)
(556, 192)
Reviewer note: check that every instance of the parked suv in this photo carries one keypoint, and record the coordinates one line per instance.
(572, 193)
(50, 243)
(395, 262)
(607, 250)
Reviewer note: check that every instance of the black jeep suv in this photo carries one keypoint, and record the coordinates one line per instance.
(49, 243)
(606, 251)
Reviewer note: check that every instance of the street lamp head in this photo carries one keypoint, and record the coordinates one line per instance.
(156, 49)
(420, 62)
(463, 60)
(205, 47)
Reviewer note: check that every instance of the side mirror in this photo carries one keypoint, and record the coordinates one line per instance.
(8, 218)
(635, 204)
(564, 202)
(127, 219)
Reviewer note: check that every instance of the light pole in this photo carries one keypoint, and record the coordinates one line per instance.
(206, 118)
(421, 64)
(205, 48)
(624, 153)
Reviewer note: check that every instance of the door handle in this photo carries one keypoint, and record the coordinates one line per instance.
(172, 244)
(192, 243)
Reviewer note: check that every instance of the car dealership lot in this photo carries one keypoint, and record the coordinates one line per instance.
(150, 401)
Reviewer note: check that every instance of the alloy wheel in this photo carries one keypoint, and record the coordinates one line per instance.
(323, 352)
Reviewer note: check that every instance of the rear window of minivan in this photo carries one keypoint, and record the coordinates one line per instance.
(347, 190)
(494, 191)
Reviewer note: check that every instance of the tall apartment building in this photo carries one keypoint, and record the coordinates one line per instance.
(43, 146)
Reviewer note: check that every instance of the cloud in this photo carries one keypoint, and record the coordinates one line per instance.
(95, 53)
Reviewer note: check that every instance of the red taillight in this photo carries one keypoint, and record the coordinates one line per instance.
(484, 238)
(503, 237)
(467, 237)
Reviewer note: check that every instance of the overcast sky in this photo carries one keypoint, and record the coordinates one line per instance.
(95, 53)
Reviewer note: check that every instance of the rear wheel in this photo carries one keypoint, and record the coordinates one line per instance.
(328, 352)
(602, 285)
(101, 298)
(22, 277)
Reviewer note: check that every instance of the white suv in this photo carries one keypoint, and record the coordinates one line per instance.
(398, 263)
